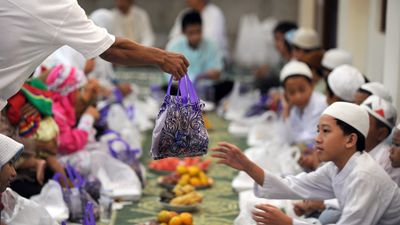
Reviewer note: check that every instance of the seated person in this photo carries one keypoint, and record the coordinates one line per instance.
(335, 57)
(304, 105)
(213, 24)
(395, 149)
(305, 41)
(10, 151)
(342, 129)
(205, 59)
(342, 83)
(371, 88)
(132, 22)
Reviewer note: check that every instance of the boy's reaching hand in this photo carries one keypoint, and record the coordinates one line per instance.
(230, 155)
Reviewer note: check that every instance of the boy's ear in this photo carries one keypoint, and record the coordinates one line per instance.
(351, 141)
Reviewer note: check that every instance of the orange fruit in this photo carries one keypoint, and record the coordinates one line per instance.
(172, 214)
(195, 181)
(186, 218)
(163, 216)
(176, 220)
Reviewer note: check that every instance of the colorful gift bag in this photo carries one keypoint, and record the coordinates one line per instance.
(180, 129)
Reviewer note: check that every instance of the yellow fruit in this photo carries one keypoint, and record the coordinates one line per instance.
(181, 169)
(163, 223)
(203, 178)
(193, 171)
(186, 177)
(186, 218)
(176, 220)
(182, 182)
(163, 216)
(195, 181)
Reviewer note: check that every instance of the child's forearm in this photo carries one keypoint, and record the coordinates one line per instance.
(255, 172)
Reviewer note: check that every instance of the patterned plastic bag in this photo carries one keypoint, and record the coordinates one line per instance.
(180, 130)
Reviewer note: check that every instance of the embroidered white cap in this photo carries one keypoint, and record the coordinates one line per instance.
(344, 81)
(9, 149)
(306, 38)
(376, 88)
(381, 110)
(350, 113)
(295, 68)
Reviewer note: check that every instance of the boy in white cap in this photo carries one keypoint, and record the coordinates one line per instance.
(366, 194)
(371, 88)
(335, 57)
(342, 84)
(305, 41)
(382, 115)
(10, 151)
(395, 148)
(304, 105)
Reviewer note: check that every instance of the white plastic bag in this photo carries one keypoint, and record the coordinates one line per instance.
(21, 211)
(51, 198)
(238, 104)
(243, 126)
(116, 177)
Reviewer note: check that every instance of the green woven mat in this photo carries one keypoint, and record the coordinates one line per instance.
(220, 204)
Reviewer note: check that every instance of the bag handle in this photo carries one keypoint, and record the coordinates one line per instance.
(74, 176)
(128, 148)
(88, 218)
(187, 89)
(57, 176)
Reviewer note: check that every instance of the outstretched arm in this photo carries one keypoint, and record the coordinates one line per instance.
(232, 156)
(129, 53)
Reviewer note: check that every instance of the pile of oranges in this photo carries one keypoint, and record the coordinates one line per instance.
(172, 218)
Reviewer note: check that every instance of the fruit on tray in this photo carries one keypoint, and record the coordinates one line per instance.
(170, 164)
(165, 217)
(185, 195)
(192, 175)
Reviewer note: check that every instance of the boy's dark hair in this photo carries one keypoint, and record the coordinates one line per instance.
(381, 124)
(292, 76)
(284, 27)
(364, 91)
(347, 130)
(191, 18)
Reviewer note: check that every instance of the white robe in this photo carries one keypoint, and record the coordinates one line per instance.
(214, 27)
(381, 154)
(365, 192)
(302, 126)
(135, 25)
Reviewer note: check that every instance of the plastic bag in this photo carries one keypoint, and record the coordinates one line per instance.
(51, 198)
(21, 211)
(180, 130)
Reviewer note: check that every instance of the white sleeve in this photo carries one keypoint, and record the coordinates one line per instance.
(332, 203)
(80, 33)
(315, 185)
(363, 203)
(308, 221)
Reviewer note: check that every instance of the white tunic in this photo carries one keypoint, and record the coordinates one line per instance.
(135, 25)
(302, 126)
(365, 192)
(32, 30)
(381, 154)
(214, 27)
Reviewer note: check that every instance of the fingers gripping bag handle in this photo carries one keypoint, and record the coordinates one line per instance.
(75, 177)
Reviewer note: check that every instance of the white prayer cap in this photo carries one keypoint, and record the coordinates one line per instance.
(306, 38)
(102, 18)
(336, 57)
(344, 81)
(378, 89)
(293, 68)
(381, 110)
(350, 113)
(9, 150)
